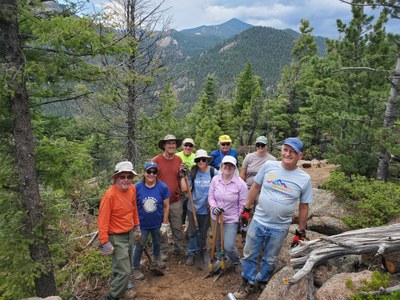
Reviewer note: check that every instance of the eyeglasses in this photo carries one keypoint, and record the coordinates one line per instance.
(130, 177)
(203, 159)
(155, 172)
(188, 145)
(225, 144)
(260, 145)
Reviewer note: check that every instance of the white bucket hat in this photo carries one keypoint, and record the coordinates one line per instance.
(229, 159)
(124, 166)
(203, 153)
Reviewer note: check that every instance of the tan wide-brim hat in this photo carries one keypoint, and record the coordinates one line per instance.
(168, 137)
(123, 166)
(203, 153)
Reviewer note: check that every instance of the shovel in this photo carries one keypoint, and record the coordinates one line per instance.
(152, 265)
(213, 250)
(199, 258)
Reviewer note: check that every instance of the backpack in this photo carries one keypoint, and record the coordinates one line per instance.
(193, 173)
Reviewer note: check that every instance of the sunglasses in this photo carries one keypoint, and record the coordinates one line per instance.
(155, 172)
(225, 144)
(260, 145)
(203, 159)
(130, 177)
(188, 145)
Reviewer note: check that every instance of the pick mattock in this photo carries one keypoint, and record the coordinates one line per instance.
(199, 257)
(152, 265)
(213, 249)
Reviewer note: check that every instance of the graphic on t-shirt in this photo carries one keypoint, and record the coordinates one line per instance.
(149, 204)
(279, 185)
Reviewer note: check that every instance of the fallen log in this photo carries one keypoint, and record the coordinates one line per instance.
(384, 239)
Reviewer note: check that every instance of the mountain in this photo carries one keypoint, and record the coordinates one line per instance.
(192, 42)
(223, 51)
(267, 49)
(224, 30)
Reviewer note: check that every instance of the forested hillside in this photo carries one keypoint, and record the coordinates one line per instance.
(268, 50)
(112, 72)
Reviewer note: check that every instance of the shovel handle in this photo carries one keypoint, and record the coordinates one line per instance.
(221, 219)
(214, 238)
(196, 223)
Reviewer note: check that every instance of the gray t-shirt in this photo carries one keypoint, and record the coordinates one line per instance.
(280, 190)
(252, 163)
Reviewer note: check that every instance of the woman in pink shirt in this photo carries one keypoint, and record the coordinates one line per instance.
(226, 198)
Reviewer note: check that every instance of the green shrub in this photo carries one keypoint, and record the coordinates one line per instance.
(377, 281)
(374, 202)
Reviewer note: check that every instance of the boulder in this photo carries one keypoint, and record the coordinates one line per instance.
(278, 288)
(342, 286)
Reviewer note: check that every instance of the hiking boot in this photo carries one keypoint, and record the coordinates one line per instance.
(260, 285)
(137, 275)
(164, 255)
(244, 291)
(190, 260)
(159, 262)
(129, 294)
(109, 297)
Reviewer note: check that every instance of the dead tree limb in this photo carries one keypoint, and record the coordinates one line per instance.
(381, 240)
(383, 291)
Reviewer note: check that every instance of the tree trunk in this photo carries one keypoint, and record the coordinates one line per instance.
(390, 117)
(24, 148)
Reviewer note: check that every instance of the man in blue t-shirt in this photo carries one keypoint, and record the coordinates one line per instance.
(224, 143)
(282, 184)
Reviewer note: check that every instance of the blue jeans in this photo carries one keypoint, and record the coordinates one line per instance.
(257, 236)
(231, 252)
(198, 241)
(137, 251)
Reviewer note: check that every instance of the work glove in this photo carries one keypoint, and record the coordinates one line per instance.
(244, 217)
(217, 211)
(137, 234)
(299, 236)
(183, 171)
(164, 228)
(107, 248)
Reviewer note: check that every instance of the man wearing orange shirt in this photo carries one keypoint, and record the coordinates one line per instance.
(118, 225)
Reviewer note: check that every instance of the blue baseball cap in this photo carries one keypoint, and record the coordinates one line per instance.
(295, 143)
(150, 165)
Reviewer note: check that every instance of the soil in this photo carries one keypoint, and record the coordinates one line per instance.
(186, 282)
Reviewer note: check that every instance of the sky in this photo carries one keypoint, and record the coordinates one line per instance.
(279, 14)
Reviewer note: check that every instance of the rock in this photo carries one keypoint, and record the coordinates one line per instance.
(277, 287)
(326, 225)
(325, 214)
(342, 286)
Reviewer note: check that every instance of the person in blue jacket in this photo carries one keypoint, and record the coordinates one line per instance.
(224, 143)
(153, 207)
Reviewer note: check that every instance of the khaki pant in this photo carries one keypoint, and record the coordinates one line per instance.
(175, 220)
(121, 262)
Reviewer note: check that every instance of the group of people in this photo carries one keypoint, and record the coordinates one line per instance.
(192, 184)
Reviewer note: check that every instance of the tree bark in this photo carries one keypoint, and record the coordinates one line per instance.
(391, 114)
(24, 147)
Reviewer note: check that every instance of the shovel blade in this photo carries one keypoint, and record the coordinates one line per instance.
(202, 260)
